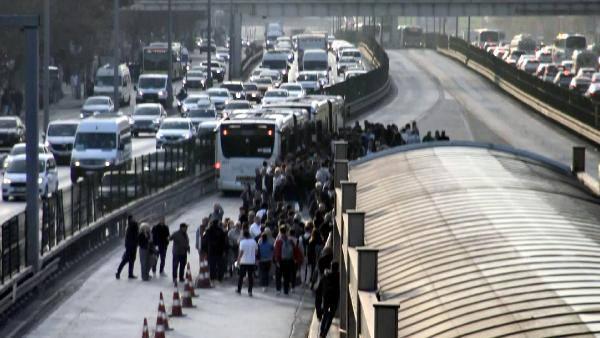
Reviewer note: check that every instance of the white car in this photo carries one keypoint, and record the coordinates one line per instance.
(275, 76)
(19, 149)
(222, 54)
(95, 105)
(194, 81)
(354, 72)
(236, 107)
(191, 102)
(14, 183)
(219, 97)
(294, 89)
(345, 63)
(309, 81)
(174, 131)
(147, 117)
(202, 114)
(60, 138)
(275, 95)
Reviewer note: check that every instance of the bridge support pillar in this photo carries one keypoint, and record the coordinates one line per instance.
(235, 45)
(393, 31)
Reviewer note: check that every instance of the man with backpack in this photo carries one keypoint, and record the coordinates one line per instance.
(284, 261)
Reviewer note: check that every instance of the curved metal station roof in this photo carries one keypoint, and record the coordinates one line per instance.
(482, 241)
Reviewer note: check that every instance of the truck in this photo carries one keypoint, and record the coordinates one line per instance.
(273, 31)
(584, 59)
(310, 41)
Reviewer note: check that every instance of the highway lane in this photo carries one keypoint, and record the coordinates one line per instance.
(441, 94)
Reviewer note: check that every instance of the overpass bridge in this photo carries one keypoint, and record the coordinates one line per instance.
(424, 8)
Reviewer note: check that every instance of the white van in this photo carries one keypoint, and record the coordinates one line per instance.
(104, 84)
(315, 59)
(60, 137)
(152, 88)
(101, 143)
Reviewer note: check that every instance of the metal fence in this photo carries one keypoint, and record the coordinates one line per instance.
(362, 85)
(73, 209)
(568, 102)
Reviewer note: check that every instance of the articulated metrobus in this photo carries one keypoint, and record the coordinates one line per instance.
(243, 144)
(411, 36)
(155, 59)
(481, 36)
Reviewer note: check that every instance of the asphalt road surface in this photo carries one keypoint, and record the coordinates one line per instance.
(441, 94)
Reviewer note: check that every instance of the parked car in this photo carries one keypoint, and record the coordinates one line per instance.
(14, 182)
(95, 105)
(12, 131)
(60, 137)
(147, 117)
(174, 131)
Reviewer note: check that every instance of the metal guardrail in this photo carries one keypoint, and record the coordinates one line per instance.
(364, 90)
(566, 107)
(86, 215)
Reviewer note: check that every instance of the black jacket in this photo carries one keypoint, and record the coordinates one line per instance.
(214, 238)
(160, 235)
(331, 287)
(131, 236)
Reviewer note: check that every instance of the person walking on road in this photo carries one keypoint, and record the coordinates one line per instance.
(247, 261)
(160, 238)
(265, 256)
(199, 238)
(131, 244)
(181, 247)
(146, 250)
(284, 261)
(331, 297)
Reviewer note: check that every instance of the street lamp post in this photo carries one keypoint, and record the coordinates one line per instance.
(170, 51)
(116, 56)
(46, 89)
(209, 79)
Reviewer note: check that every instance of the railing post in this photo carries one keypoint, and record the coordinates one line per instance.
(355, 228)
(578, 159)
(367, 269)
(348, 195)
(386, 320)
(340, 150)
(340, 172)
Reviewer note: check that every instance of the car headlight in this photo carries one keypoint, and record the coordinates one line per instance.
(162, 93)
(156, 121)
(253, 94)
(77, 163)
(81, 116)
(140, 93)
(107, 163)
(159, 136)
(5, 164)
(187, 136)
(6, 180)
(284, 71)
(40, 180)
(238, 95)
(218, 71)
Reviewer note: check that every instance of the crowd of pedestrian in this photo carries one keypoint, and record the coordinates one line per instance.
(281, 232)
(374, 137)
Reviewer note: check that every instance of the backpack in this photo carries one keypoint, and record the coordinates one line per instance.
(287, 250)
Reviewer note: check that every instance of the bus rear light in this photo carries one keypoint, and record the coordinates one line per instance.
(225, 132)
(270, 132)
(218, 165)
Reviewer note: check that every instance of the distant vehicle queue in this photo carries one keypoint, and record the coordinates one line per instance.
(568, 63)
(251, 121)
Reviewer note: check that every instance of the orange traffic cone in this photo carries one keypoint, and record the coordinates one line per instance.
(145, 333)
(163, 312)
(188, 283)
(188, 273)
(187, 296)
(203, 280)
(160, 327)
(176, 310)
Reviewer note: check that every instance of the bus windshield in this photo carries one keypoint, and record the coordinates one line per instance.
(247, 140)
(576, 42)
(315, 65)
(156, 60)
(489, 36)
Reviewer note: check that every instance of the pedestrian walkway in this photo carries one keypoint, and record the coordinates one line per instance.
(106, 307)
